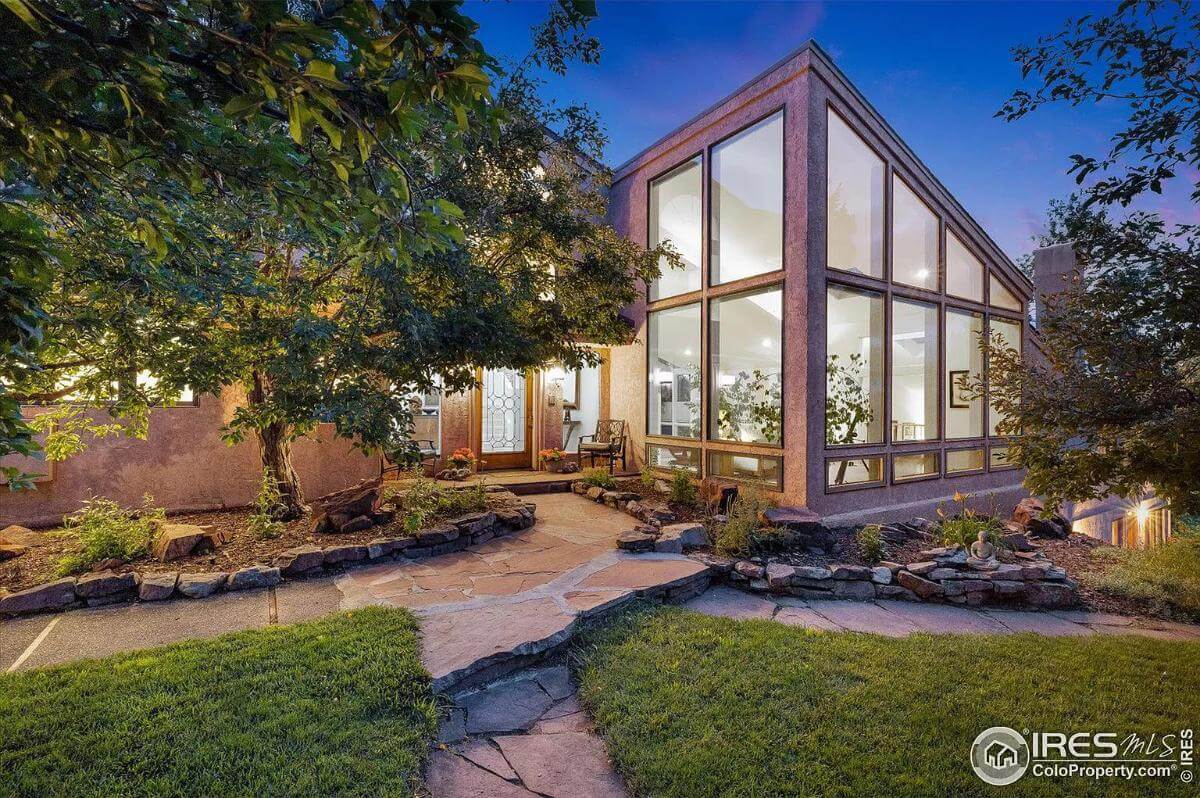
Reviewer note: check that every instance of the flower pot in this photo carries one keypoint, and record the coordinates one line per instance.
(554, 466)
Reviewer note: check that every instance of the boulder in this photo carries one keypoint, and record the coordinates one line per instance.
(333, 511)
(635, 541)
(254, 576)
(749, 570)
(1017, 541)
(853, 589)
(49, 596)
(779, 575)
(358, 523)
(858, 572)
(813, 572)
(595, 493)
(895, 592)
(690, 536)
(922, 587)
(1050, 595)
(881, 575)
(336, 555)
(11, 551)
(922, 568)
(177, 540)
(1028, 509)
(298, 560)
(797, 519)
(104, 585)
(667, 545)
(1053, 528)
(474, 523)
(201, 585)
(17, 535)
(156, 587)
(383, 547)
(955, 556)
(1008, 587)
(959, 587)
(716, 563)
(939, 574)
(443, 533)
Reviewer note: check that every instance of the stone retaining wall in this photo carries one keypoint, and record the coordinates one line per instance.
(942, 575)
(108, 587)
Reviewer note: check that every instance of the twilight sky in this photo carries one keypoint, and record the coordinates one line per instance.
(936, 71)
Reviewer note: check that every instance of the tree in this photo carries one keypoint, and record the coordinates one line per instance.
(464, 234)
(1111, 403)
(1145, 55)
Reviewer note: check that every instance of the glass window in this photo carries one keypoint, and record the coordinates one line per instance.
(914, 371)
(959, 460)
(747, 203)
(746, 337)
(914, 239)
(914, 466)
(964, 272)
(964, 364)
(853, 471)
(755, 469)
(1000, 458)
(668, 458)
(673, 343)
(853, 367)
(1009, 333)
(675, 216)
(855, 202)
(1000, 296)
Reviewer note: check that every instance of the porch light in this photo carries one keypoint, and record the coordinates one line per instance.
(1143, 514)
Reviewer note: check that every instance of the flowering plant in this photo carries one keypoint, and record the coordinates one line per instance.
(553, 453)
(463, 457)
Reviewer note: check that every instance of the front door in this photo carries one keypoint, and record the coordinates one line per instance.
(505, 413)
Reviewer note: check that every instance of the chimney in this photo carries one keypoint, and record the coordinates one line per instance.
(1055, 268)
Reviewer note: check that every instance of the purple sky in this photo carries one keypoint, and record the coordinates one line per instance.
(936, 71)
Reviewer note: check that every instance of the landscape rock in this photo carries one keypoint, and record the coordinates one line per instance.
(10, 551)
(49, 596)
(813, 572)
(851, 572)
(749, 570)
(1028, 509)
(357, 524)
(690, 536)
(156, 587)
(595, 494)
(779, 575)
(474, 523)
(716, 563)
(335, 555)
(254, 576)
(922, 587)
(922, 568)
(881, 575)
(797, 519)
(853, 589)
(1053, 528)
(1008, 587)
(177, 540)
(635, 541)
(1017, 542)
(443, 533)
(201, 585)
(333, 512)
(104, 585)
(1050, 595)
(299, 560)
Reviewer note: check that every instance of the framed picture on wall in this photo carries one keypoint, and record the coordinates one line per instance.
(570, 389)
(960, 393)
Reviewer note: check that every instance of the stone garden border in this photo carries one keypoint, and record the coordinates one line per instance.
(108, 587)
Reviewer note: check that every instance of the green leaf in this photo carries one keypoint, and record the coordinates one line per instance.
(241, 106)
(324, 72)
(295, 108)
(470, 72)
(23, 11)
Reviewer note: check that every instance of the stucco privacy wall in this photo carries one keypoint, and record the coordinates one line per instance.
(184, 465)
(803, 85)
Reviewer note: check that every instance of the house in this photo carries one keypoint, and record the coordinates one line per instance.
(819, 343)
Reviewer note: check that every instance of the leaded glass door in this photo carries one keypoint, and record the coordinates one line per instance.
(505, 421)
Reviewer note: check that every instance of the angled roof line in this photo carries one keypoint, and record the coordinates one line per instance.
(826, 62)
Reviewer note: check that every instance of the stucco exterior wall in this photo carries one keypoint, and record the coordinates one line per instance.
(183, 464)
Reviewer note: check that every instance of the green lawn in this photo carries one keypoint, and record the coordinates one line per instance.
(336, 707)
(694, 706)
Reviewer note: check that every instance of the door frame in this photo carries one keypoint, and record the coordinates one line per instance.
(495, 460)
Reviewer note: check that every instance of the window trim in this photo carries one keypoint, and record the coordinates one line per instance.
(885, 409)
(992, 466)
(939, 366)
(887, 210)
(882, 481)
(920, 477)
(650, 181)
(776, 487)
(660, 470)
(707, 280)
(708, 435)
(938, 245)
(646, 372)
(970, 248)
(948, 474)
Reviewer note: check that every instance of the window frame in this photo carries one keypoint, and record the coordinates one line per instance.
(881, 482)
(702, 265)
(946, 472)
(661, 470)
(700, 343)
(939, 256)
(775, 487)
(937, 459)
(707, 410)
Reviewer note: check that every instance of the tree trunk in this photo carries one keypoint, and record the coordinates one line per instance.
(275, 448)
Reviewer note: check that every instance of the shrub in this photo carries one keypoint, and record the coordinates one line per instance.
(262, 521)
(422, 500)
(106, 530)
(743, 532)
(683, 490)
(1167, 576)
(871, 544)
(963, 528)
(598, 478)
(648, 478)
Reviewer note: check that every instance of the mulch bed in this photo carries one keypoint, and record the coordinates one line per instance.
(39, 563)
(683, 512)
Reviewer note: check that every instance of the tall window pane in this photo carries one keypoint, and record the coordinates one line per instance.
(746, 337)
(914, 239)
(855, 202)
(853, 367)
(964, 364)
(1010, 335)
(964, 272)
(675, 215)
(914, 371)
(1000, 296)
(673, 341)
(747, 202)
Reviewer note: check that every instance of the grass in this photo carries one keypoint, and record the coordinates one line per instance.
(1168, 576)
(695, 706)
(339, 706)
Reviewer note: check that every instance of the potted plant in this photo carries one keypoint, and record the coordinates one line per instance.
(463, 457)
(552, 459)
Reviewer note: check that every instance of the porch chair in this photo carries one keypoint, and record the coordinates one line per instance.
(608, 441)
(405, 454)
